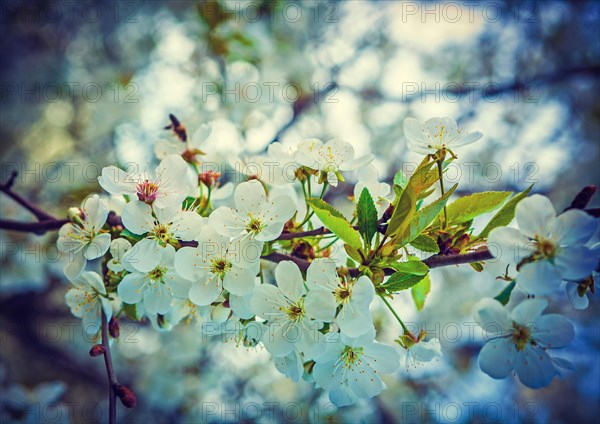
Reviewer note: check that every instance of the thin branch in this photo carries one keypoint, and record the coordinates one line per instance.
(39, 227)
(110, 372)
(7, 189)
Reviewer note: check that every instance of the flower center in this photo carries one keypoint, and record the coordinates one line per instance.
(220, 267)
(162, 232)
(546, 248)
(295, 312)
(521, 336)
(343, 293)
(255, 225)
(147, 191)
(157, 274)
(351, 355)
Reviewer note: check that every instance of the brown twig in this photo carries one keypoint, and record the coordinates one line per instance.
(37, 212)
(39, 227)
(110, 372)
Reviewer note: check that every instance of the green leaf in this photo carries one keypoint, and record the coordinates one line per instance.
(353, 253)
(126, 233)
(401, 281)
(424, 177)
(400, 179)
(505, 215)
(367, 216)
(468, 207)
(504, 296)
(403, 212)
(420, 291)
(425, 217)
(425, 244)
(336, 222)
(130, 311)
(411, 267)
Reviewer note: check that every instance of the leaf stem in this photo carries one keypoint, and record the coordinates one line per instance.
(441, 173)
(391, 308)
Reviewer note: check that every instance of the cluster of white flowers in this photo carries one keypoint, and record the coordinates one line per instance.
(175, 257)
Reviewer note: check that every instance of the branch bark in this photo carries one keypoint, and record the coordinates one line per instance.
(110, 373)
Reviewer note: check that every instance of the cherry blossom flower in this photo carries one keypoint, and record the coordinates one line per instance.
(419, 351)
(277, 167)
(521, 339)
(436, 134)
(118, 247)
(548, 248)
(380, 192)
(82, 238)
(328, 291)
(161, 228)
(291, 322)
(255, 216)
(167, 188)
(330, 158)
(155, 288)
(218, 263)
(351, 368)
(87, 299)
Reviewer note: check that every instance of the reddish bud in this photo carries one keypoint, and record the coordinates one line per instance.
(97, 350)
(113, 328)
(128, 398)
(209, 178)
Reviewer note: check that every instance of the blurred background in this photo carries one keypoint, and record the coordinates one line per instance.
(85, 85)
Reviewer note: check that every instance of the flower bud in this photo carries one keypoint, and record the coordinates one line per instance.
(97, 350)
(209, 178)
(76, 216)
(113, 328)
(128, 398)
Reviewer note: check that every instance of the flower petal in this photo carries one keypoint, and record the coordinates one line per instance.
(249, 197)
(535, 215)
(554, 331)
(492, 316)
(534, 367)
(574, 227)
(529, 311)
(509, 244)
(539, 277)
(497, 357)
(576, 262)
(289, 280)
(137, 217)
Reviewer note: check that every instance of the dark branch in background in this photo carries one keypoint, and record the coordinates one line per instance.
(302, 104)
(7, 189)
(467, 89)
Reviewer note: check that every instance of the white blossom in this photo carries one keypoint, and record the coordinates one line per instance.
(160, 227)
(351, 368)
(255, 216)
(218, 263)
(83, 239)
(436, 134)
(520, 340)
(328, 291)
(330, 158)
(549, 248)
(154, 288)
(291, 322)
(380, 192)
(87, 299)
(167, 187)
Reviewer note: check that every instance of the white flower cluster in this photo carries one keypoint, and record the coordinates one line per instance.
(175, 257)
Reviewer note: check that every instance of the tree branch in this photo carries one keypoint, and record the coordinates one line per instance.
(7, 189)
(110, 372)
(39, 227)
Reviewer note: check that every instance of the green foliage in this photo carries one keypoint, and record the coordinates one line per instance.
(425, 244)
(415, 267)
(401, 281)
(425, 217)
(505, 215)
(367, 216)
(400, 179)
(468, 207)
(504, 296)
(128, 234)
(403, 212)
(420, 291)
(336, 222)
